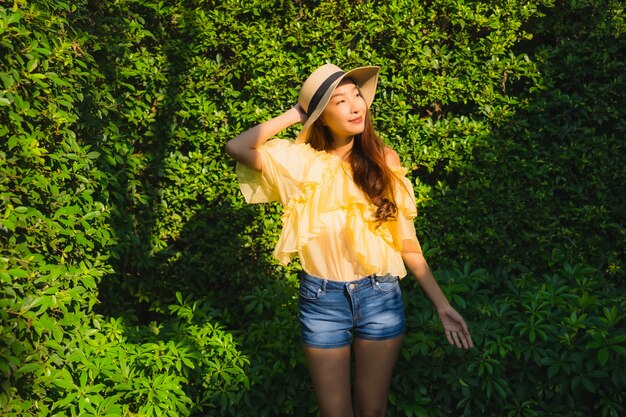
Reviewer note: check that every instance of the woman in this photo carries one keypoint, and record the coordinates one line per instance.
(348, 215)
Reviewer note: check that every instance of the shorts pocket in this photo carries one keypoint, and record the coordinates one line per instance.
(386, 284)
(310, 290)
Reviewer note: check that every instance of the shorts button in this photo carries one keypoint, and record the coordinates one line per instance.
(351, 286)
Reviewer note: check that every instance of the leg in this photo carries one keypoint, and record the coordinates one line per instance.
(330, 373)
(374, 363)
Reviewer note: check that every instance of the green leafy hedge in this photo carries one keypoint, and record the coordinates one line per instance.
(134, 280)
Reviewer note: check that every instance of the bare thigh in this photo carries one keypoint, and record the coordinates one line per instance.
(374, 362)
(330, 373)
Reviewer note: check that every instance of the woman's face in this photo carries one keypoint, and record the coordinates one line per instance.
(344, 114)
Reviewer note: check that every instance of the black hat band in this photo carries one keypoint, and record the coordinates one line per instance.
(321, 90)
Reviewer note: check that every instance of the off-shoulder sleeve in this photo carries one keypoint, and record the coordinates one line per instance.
(407, 211)
(285, 168)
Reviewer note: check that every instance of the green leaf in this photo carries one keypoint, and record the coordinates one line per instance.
(17, 273)
(619, 349)
(70, 398)
(14, 17)
(603, 355)
(65, 384)
(32, 64)
(29, 368)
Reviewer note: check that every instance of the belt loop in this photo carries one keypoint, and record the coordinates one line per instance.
(324, 285)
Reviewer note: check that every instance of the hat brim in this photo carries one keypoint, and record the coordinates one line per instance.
(366, 78)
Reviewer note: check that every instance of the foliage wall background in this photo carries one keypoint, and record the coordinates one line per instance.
(135, 281)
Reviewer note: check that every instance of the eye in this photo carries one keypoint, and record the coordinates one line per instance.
(340, 101)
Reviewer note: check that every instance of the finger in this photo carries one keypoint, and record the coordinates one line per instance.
(464, 327)
(457, 340)
(449, 336)
(467, 340)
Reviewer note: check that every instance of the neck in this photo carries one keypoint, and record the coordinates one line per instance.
(342, 147)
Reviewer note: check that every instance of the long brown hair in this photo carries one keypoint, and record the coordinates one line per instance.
(369, 167)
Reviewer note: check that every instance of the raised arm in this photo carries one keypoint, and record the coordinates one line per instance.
(244, 147)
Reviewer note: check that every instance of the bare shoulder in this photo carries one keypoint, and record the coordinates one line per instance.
(391, 157)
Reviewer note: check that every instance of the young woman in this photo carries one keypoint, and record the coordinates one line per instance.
(348, 215)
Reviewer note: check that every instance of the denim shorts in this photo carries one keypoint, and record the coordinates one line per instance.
(331, 312)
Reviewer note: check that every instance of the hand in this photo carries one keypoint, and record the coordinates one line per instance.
(456, 330)
(301, 114)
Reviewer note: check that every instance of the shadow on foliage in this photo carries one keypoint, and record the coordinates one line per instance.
(201, 256)
(549, 188)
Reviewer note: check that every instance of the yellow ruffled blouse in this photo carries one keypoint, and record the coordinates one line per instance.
(327, 220)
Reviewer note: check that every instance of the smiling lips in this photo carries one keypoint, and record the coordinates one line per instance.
(357, 121)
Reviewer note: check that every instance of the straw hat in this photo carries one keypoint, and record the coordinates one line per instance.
(318, 88)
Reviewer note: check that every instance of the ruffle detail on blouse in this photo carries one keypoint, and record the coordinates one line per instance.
(328, 186)
(287, 166)
(313, 184)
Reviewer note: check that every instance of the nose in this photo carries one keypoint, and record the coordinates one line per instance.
(355, 106)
